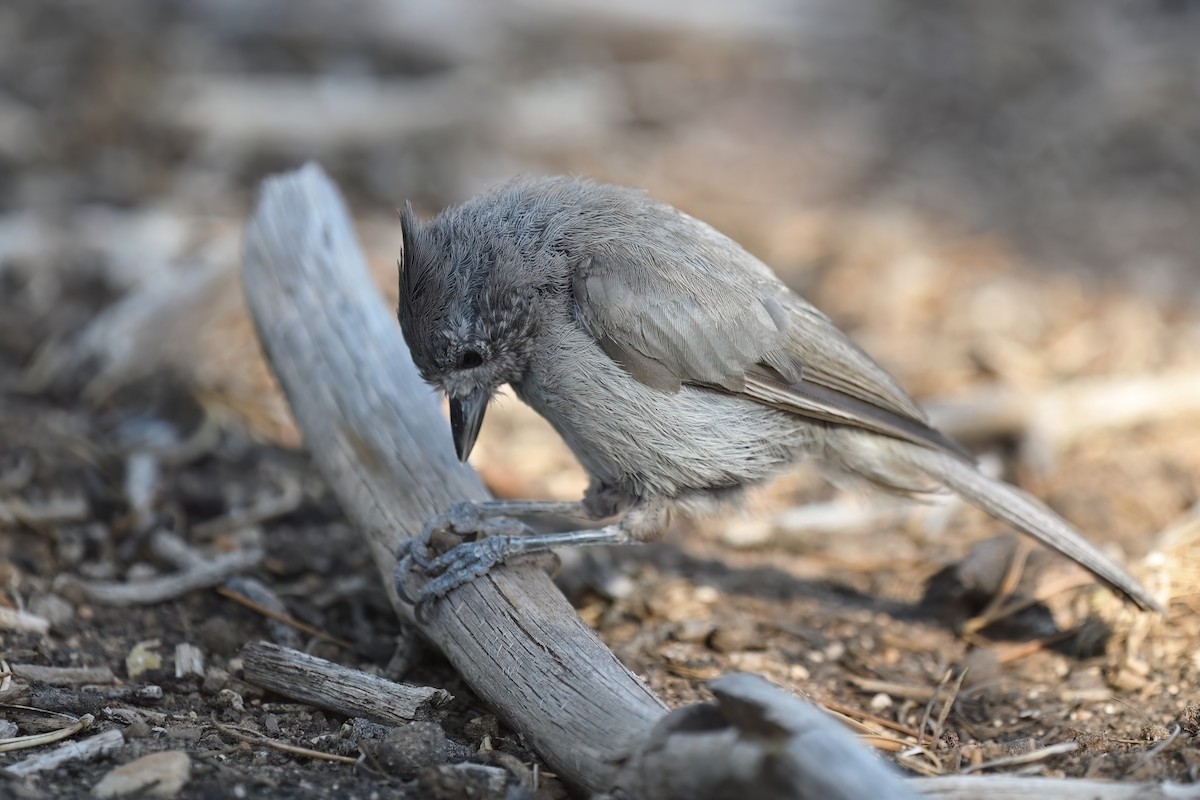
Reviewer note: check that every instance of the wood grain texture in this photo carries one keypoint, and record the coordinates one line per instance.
(353, 692)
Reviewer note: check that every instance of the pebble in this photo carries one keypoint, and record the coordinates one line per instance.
(57, 611)
(161, 775)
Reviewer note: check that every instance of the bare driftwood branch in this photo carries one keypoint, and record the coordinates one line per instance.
(378, 436)
(348, 691)
(757, 741)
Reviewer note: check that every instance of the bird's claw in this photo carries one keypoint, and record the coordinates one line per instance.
(497, 539)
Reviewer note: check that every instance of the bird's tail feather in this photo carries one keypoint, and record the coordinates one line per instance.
(1010, 504)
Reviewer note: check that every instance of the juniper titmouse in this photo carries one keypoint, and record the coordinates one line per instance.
(678, 368)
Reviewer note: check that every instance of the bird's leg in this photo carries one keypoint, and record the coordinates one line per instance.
(484, 518)
(506, 539)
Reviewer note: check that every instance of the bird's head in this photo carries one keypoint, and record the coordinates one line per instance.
(467, 313)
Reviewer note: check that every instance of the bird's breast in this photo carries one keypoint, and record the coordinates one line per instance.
(652, 442)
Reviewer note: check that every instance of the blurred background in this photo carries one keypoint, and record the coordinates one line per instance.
(981, 193)
(989, 196)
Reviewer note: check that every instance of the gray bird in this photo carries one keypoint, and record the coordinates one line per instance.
(676, 366)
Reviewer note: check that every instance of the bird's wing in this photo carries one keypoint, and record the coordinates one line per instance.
(668, 326)
(675, 318)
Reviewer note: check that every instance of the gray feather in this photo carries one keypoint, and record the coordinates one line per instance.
(1017, 508)
(723, 320)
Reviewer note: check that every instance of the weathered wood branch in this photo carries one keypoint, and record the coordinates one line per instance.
(322, 683)
(98, 746)
(759, 742)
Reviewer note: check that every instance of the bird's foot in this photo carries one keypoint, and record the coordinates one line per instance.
(498, 539)
(460, 520)
(463, 564)
(444, 570)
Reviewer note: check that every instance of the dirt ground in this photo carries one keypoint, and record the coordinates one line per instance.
(976, 261)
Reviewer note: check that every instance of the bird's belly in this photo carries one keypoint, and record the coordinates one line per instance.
(655, 443)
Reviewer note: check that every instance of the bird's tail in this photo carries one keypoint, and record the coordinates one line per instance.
(1013, 506)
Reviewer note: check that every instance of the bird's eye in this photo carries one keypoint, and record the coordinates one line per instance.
(469, 359)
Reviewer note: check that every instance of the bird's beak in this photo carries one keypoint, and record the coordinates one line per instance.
(466, 416)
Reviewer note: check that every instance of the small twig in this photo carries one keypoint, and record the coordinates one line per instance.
(76, 725)
(857, 713)
(858, 726)
(884, 743)
(931, 768)
(145, 693)
(928, 715)
(246, 735)
(922, 694)
(949, 704)
(285, 619)
(1043, 593)
(936, 731)
(1016, 652)
(1008, 585)
(1042, 754)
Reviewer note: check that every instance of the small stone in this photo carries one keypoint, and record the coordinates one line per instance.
(57, 611)
(983, 667)
(1093, 742)
(230, 699)
(1154, 732)
(359, 729)
(451, 781)
(161, 775)
(730, 639)
(215, 679)
(218, 635)
(692, 630)
(1189, 720)
(409, 748)
(479, 728)
(880, 702)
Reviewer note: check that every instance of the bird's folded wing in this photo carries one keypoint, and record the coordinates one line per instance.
(810, 399)
(671, 319)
